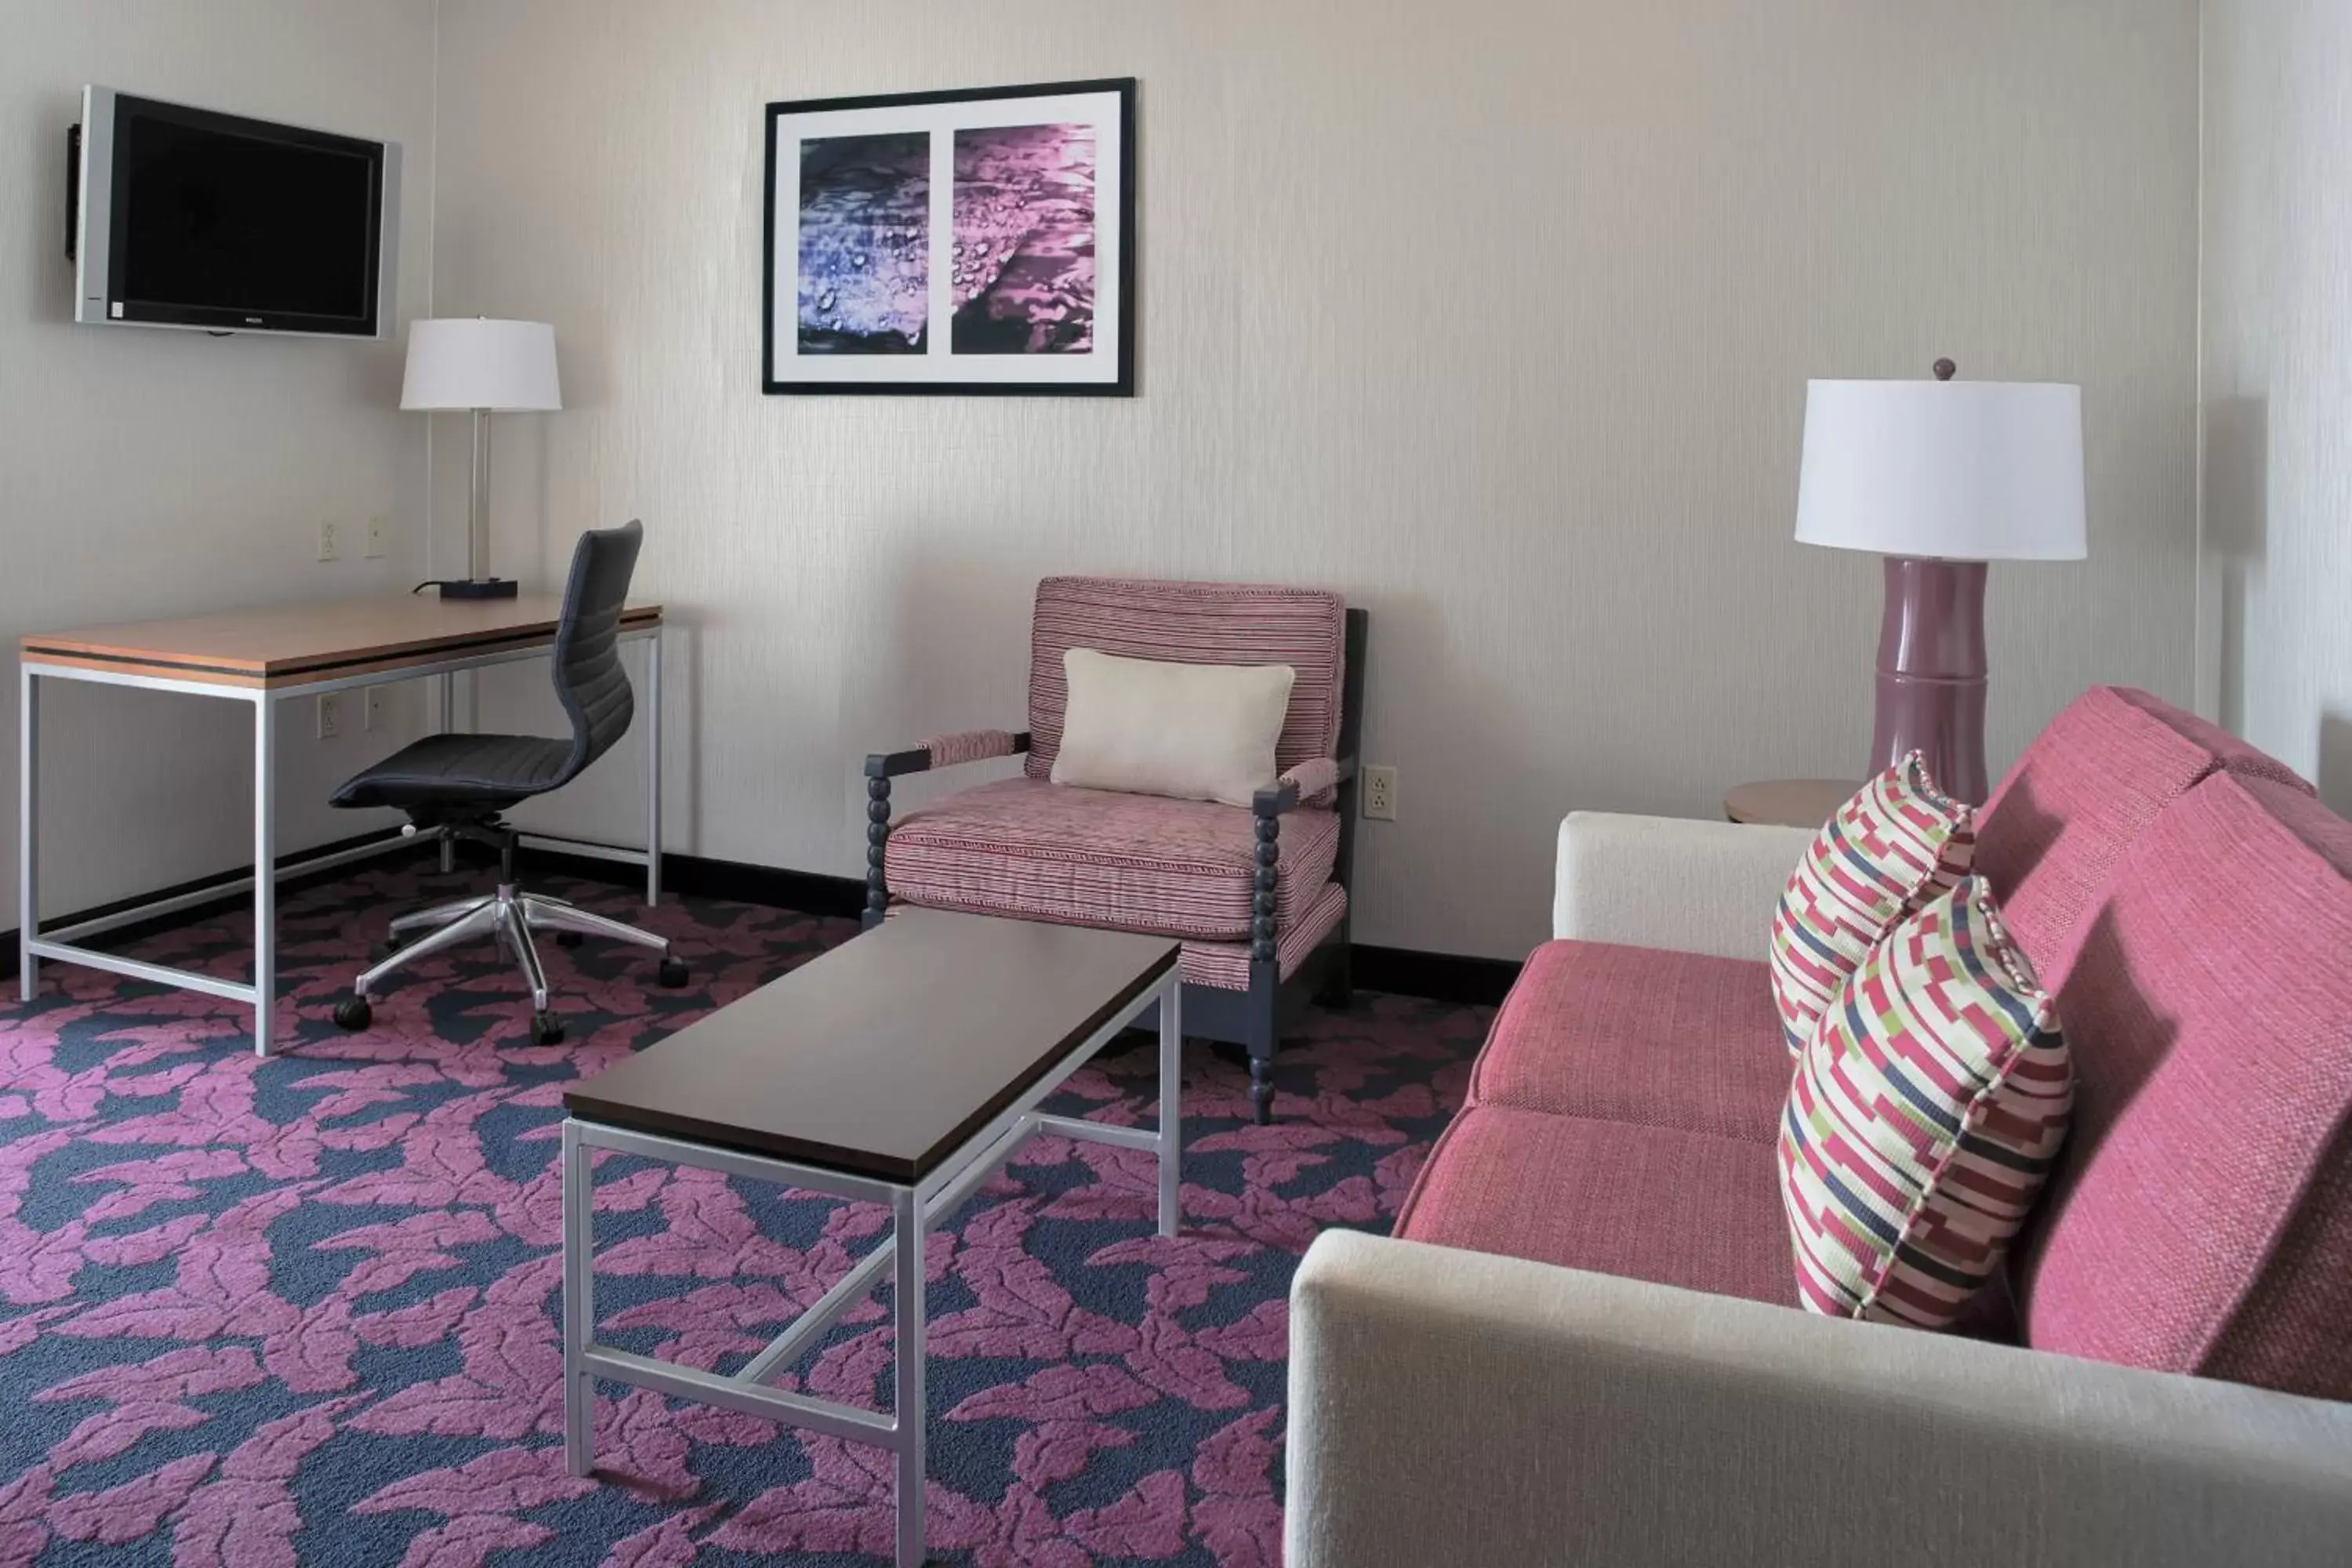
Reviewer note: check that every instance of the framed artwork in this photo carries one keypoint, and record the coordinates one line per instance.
(953, 242)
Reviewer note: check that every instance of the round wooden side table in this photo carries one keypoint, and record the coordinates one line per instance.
(1788, 802)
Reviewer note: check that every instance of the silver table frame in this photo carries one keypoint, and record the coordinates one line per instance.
(61, 944)
(914, 1211)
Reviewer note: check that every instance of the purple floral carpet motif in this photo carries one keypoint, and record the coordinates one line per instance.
(307, 1311)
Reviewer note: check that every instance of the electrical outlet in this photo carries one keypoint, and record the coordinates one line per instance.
(330, 715)
(330, 542)
(378, 529)
(371, 706)
(1380, 794)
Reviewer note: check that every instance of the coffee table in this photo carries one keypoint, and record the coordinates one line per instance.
(903, 1067)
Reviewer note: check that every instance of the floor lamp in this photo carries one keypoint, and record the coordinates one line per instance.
(483, 367)
(1941, 476)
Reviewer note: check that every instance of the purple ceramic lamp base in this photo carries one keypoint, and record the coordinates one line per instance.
(1931, 672)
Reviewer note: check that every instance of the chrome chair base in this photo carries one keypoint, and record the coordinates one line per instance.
(510, 915)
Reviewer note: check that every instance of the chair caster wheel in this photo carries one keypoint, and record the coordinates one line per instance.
(569, 938)
(389, 946)
(546, 1029)
(672, 972)
(354, 1013)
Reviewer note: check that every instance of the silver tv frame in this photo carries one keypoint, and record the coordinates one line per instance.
(93, 237)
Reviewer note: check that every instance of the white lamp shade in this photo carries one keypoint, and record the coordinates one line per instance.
(470, 362)
(1956, 470)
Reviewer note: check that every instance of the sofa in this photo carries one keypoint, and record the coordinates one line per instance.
(1581, 1343)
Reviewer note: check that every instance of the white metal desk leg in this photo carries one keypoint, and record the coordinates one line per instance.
(911, 1407)
(1171, 1104)
(652, 768)
(579, 1300)
(265, 870)
(28, 858)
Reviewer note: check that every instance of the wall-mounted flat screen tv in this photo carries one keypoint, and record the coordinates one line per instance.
(192, 219)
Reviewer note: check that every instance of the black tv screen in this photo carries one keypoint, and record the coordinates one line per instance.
(241, 225)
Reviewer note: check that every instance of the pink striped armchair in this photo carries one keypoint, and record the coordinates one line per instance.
(1257, 896)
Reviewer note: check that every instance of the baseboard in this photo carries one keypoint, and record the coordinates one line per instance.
(697, 876)
(1406, 972)
(10, 956)
(1433, 976)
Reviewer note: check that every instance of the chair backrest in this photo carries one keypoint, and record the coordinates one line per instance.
(1192, 623)
(589, 679)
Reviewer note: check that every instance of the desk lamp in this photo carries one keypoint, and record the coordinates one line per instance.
(483, 367)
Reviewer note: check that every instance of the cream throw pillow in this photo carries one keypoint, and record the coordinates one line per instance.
(1194, 732)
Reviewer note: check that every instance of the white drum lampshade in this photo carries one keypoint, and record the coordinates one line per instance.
(483, 367)
(1958, 470)
(504, 367)
(1941, 476)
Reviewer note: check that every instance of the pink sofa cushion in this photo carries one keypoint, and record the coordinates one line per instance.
(2235, 756)
(2083, 790)
(1640, 1035)
(1646, 1203)
(1190, 623)
(1083, 857)
(2200, 1220)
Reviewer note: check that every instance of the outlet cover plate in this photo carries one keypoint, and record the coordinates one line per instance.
(330, 543)
(330, 715)
(1380, 794)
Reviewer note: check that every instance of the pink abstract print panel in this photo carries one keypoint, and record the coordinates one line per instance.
(1023, 253)
(1927, 1110)
(1898, 843)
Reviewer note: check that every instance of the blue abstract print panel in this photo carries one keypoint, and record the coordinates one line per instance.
(1025, 239)
(864, 244)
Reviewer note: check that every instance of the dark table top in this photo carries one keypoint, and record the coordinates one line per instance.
(882, 1057)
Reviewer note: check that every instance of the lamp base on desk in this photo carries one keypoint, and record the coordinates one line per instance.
(479, 588)
(1931, 673)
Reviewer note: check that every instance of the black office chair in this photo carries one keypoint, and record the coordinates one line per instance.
(459, 784)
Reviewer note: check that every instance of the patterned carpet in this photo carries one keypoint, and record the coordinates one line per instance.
(306, 1311)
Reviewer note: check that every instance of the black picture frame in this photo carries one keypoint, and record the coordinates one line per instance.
(939, 362)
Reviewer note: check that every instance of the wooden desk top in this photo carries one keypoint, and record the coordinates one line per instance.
(882, 1056)
(294, 644)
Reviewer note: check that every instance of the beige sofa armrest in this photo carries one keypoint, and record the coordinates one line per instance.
(1450, 1408)
(1672, 882)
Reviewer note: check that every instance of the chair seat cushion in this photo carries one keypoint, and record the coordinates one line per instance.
(1045, 851)
(491, 770)
(1225, 965)
(1640, 1035)
(1645, 1203)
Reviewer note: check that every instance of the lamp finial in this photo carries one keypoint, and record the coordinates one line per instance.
(1946, 370)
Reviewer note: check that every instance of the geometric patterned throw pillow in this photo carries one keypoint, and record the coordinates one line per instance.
(1898, 843)
(1923, 1119)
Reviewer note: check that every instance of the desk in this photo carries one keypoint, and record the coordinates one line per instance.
(256, 657)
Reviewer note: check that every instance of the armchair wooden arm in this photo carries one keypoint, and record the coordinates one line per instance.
(881, 767)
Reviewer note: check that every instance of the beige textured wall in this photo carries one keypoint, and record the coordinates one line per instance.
(2276, 632)
(150, 473)
(1495, 314)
